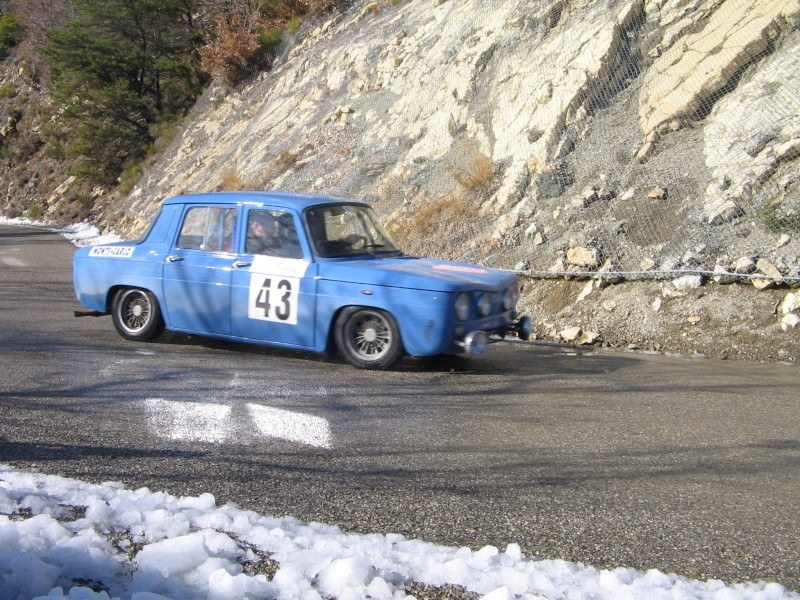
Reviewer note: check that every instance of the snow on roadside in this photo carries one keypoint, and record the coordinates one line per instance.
(62, 538)
(84, 234)
(80, 234)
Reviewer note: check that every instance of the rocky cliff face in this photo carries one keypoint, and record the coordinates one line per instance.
(625, 135)
(401, 105)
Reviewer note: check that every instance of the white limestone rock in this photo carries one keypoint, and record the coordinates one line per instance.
(723, 210)
(789, 321)
(700, 64)
(770, 270)
(570, 334)
(723, 276)
(687, 283)
(745, 265)
(586, 258)
(578, 336)
(790, 303)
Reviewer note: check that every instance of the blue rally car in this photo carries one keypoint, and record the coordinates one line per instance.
(296, 271)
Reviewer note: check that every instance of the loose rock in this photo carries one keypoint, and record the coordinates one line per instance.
(790, 321)
(570, 334)
(687, 282)
(588, 258)
(723, 276)
(790, 303)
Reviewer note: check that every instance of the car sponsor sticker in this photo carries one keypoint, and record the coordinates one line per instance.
(112, 251)
(275, 289)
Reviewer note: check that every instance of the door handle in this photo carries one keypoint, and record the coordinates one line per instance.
(172, 258)
(241, 263)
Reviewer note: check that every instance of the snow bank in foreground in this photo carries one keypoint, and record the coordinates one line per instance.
(62, 538)
(80, 234)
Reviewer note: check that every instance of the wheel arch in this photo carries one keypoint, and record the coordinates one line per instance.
(379, 352)
(330, 341)
(112, 291)
(152, 325)
(424, 330)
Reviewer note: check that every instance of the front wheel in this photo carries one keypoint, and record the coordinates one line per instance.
(368, 338)
(136, 315)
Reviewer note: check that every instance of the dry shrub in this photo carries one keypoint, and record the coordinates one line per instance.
(229, 54)
(288, 9)
(372, 8)
(440, 228)
(247, 35)
(285, 160)
(478, 172)
(232, 182)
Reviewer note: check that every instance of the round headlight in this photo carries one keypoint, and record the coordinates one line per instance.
(510, 297)
(462, 307)
(485, 305)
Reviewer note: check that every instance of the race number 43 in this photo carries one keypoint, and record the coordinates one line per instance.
(273, 298)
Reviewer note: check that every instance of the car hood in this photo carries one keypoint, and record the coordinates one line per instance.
(416, 273)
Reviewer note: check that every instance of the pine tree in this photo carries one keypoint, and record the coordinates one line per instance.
(121, 67)
(10, 32)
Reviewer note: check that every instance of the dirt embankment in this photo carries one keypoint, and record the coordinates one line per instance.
(735, 322)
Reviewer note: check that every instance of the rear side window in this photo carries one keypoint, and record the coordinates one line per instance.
(209, 228)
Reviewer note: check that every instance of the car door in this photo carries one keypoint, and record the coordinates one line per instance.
(274, 288)
(197, 271)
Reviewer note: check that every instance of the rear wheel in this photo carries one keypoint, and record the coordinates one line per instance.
(136, 314)
(368, 338)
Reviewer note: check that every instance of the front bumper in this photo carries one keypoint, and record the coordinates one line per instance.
(475, 340)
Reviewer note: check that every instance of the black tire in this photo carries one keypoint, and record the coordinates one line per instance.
(368, 338)
(136, 314)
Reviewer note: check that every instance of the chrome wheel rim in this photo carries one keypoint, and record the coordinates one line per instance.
(135, 311)
(371, 336)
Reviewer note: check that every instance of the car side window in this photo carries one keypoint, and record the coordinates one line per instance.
(272, 233)
(208, 228)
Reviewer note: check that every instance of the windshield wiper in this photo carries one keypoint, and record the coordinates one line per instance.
(380, 249)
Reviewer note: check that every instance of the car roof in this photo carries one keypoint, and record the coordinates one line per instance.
(284, 199)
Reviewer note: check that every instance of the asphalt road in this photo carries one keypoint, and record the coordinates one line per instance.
(612, 459)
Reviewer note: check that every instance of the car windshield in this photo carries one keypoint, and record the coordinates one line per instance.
(347, 230)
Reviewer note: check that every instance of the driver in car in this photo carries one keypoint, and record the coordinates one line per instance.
(263, 236)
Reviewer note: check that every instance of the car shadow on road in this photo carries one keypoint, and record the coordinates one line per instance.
(505, 358)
